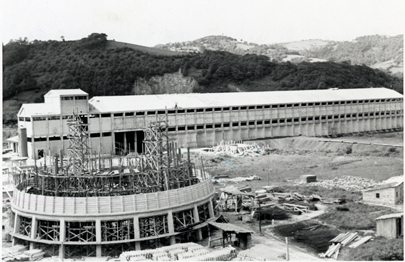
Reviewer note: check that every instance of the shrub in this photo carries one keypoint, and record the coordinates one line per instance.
(377, 249)
(349, 150)
(360, 217)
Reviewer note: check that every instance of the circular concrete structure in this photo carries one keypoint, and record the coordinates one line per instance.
(106, 226)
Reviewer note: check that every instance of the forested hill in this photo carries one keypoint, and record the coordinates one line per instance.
(101, 69)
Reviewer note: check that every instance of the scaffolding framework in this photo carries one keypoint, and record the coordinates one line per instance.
(48, 230)
(25, 226)
(161, 168)
(153, 226)
(78, 143)
(183, 219)
(84, 174)
(117, 230)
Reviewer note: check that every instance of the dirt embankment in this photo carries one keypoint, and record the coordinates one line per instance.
(376, 145)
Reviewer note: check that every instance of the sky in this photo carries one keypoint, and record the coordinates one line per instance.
(152, 22)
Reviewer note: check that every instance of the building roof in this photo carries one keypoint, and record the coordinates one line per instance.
(389, 183)
(396, 215)
(37, 109)
(230, 227)
(59, 92)
(232, 190)
(13, 139)
(195, 100)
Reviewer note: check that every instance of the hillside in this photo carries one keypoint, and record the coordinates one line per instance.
(102, 67)
(376, 51)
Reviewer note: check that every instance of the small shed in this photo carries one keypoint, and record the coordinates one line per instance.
(389, 192)
(390, 226)
(308, 178)
(13, 143)
(232, 198)
(243, 236)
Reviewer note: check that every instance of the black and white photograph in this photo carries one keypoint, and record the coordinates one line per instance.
(186, 130)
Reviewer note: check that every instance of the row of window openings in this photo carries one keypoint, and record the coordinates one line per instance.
(259, 122)
(55, 138)
(233, 124)
(27, 119)
(266, 122)
(198, 110)
(288, 105)
(73, 98)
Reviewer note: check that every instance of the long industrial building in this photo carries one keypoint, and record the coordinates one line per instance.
(115, 123)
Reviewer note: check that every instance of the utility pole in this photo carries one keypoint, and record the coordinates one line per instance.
(268, 178)
(260, 218)
(287, 255)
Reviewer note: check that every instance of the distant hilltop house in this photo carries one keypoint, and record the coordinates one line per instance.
(185, 49)
(390, 192)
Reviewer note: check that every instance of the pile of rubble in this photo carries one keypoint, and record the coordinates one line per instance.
(232, 148)
(348, 183)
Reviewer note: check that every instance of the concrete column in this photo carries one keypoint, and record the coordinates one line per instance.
(22, 145)
(211, 209)
(135, 145)
(98, 238)
(16, 227)
(112, 132)
(171, 227)
(138, 245)
(125, 142)
(137, 233)
(34, 225)
(62, 236)
(197, 219)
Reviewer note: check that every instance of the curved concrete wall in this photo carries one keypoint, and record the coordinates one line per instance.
(112, 205)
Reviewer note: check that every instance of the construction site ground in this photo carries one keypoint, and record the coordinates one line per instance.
(375, 156)
(378, 157)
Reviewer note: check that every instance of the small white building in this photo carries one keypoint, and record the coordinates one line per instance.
(390, 226)
(389, 192)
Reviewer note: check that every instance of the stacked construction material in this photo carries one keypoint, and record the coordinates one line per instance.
(233, 148)
(341, 240)
(14, 253)
(222, 254)
(34, 254)
(181, 251)
(360, 241)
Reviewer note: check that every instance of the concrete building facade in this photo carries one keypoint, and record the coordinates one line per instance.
(115, 123)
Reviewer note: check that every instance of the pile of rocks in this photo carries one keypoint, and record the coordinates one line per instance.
(348, 183)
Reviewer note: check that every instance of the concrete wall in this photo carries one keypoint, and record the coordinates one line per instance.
(114, 208)
(75, 105)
